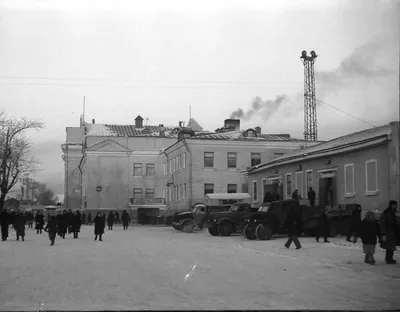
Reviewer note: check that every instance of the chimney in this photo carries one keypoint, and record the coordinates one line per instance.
(93, 121)
(161, 125)
(258, 130)
(138, 122)
(234, 124)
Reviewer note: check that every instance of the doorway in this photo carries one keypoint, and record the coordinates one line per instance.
(327, 191)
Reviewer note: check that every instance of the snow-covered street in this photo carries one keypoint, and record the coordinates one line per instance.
(145, 268)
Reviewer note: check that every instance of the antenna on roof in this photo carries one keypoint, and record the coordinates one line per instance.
(190, 112)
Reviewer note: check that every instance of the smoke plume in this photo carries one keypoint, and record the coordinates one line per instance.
(268, 108)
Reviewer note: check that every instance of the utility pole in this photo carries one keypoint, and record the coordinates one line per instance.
(310, 103)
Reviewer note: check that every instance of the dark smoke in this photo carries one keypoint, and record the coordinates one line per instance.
(362, 63)
(268, 108)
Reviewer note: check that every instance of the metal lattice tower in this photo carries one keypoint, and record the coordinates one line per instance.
(310, 103)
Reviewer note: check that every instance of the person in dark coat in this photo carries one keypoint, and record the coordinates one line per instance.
(125, 219)
(51, 228)
(324, 228)
(5, 221)
(89, 219)
(99, 225)
(76, 224)
(388, 226)
(294, 225)
(39, 219)
(369, 232)
(110, 220)
(355, 222)
(268, 197)
(117, 220)
(19, 225)
(62, 223)
(83, 218)
(311, 196)
(29, 217)
(142, 218)
(295, 194)
(70, 221)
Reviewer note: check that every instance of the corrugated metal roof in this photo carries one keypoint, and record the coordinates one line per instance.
(338, 143)
(238, 136)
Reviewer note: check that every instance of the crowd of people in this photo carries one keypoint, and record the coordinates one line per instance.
(65, 222)
(370, 230)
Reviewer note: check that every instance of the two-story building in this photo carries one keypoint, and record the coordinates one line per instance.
(196, 165)
(361, 167)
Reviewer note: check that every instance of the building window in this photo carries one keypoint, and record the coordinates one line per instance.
(255, 159)
(250, 134)
(179, 162)
(264, 182)
(149, 193)
(232, 188)
(184, 191)
(371, 177)
(299, 182)
(277, 155)
(150, 170)
(309, 179)
(255, 195)
(208, 160)
(245, 188)
(232, 160)
(165, 169)
(208, 188)
(288, 185)
(137, 169)
(177, 192)
(170, 166)
(184, 161)
(163, 193)
(173, 164)
(137, 193)
(349, 180)
(169, 193)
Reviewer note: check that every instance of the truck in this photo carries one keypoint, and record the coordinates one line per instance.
(227, 222)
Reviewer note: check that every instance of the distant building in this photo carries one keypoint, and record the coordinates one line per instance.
(361, 167)
(212, 162)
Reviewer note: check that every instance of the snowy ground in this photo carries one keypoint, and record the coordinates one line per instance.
(145, 268)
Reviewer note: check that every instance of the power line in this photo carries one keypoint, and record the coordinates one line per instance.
(338, 109)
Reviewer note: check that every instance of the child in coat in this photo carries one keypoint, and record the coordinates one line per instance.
(369, 232)
(51, 228)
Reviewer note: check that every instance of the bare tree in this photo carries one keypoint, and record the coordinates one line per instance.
(15, 151)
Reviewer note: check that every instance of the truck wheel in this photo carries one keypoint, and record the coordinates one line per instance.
(225, 228)
(263, 232)
(213, 231)
(249, 233)
(187, 226)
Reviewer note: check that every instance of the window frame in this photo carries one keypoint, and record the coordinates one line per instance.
(184, 160)
(264, 186)
(154, 169)
(213, 188)
(367, 191)
(286, 185)
(204, 159)
(251, 159)
(141, 169)
(141, 192)
(231, 184)
(227, 160)
(306, 179)
(347, 194)
(184, 190)
(147, 192)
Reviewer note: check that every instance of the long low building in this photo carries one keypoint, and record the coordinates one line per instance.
(361, 167)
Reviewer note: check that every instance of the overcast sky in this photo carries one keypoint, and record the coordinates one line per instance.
(155, 58)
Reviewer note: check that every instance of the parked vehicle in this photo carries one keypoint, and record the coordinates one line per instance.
(218, 199)
(228, 222)
(188, 221)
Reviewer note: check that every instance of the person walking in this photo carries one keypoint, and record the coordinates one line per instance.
(19, 225)
(5, 221)
(125, 219)
(355, 222)
(388, 227)
(51, 228)
(30, 219)
(311, 196)
(324, 228)
(294, 225)
(110, 220)
(295, 195)
(89, 219)
(99, 225)
(70, 221)
(62, 223)
(76, 224)
(83, 218)
(369, 232)
(39, 219)
(117, 220)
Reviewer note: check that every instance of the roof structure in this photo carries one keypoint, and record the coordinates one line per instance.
(338, 144)
(194, 125)
(238, 136)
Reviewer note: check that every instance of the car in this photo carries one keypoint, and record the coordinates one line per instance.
(228, 222)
